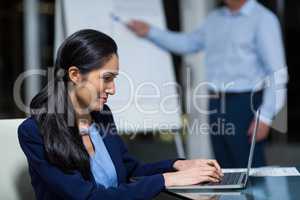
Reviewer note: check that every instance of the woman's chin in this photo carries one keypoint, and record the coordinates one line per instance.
(98, 106)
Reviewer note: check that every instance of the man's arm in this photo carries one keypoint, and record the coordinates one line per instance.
(178, 43)
(271, 51)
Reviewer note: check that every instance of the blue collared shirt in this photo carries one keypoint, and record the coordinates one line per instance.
(243, 52)
(102, 166)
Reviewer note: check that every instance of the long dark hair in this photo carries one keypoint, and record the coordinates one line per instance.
(51, 107)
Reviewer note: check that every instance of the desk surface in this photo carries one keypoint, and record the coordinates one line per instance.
(258, 188)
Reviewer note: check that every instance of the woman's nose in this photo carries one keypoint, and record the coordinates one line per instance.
(111, 89)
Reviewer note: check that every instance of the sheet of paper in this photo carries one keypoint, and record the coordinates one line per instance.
(93, 14)
(268, 171)
(275, 171)
(146, 97)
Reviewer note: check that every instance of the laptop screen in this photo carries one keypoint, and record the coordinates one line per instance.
(253, 142)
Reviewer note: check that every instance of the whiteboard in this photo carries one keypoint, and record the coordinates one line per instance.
(146, 96)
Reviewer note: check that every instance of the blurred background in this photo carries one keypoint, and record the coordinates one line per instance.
(17, 16)
(27, 39)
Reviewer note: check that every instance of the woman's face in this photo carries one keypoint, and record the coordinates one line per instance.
(93, 88)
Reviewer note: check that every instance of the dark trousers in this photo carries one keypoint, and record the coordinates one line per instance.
(229, 126)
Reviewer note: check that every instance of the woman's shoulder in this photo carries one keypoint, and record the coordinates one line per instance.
(29, 129)
(28, 124)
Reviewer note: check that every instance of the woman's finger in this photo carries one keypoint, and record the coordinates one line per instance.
(211, 173)
(215, 164)
(210, 168)
(208, 179)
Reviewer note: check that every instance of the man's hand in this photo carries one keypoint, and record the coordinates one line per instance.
(140, 28)
(262, 131)
(182, 165)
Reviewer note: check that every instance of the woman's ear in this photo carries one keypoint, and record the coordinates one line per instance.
(74, 75)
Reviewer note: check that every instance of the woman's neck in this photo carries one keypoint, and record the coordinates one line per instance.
(81, 114)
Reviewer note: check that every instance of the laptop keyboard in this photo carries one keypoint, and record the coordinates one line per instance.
(229, 179)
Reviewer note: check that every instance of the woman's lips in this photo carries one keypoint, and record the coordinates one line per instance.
(104, 99)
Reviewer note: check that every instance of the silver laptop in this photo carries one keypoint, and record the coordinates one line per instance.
(230, 180)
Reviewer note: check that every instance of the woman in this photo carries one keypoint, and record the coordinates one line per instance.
(70, 140)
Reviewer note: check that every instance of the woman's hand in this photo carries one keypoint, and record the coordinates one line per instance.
(192, 176)
(181, 165)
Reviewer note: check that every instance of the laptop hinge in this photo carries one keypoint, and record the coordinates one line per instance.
(242, 178)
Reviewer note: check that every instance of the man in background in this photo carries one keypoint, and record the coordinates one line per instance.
(245, 63)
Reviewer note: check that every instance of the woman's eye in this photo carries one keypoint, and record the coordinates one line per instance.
(107, 79)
